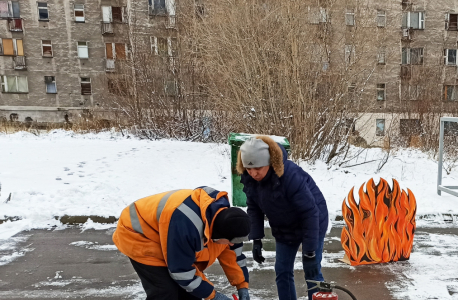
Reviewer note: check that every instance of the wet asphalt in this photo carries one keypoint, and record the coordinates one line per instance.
(72, 264)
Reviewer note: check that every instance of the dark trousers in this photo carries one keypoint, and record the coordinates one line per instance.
(284, 270)
(158, 284)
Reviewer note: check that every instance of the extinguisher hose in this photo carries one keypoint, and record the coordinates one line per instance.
(346, 291)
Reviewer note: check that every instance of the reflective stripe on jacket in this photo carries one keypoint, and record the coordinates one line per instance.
(173, 229)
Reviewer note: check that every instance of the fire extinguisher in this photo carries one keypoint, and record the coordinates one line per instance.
(325, 290)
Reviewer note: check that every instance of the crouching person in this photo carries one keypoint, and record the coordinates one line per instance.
(172, 237)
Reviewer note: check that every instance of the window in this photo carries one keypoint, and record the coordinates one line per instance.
(4, 10)
(451, 93)
(349, 54)
(451, 22)
(451, 128)
(170, 88)
(50, 82)
(157, 7)
(410, 127)
(317, 15)
(43, 14)
(12, 47)
(115, 50)
(381, 18)
(14, 84)
(116, 14)
(351, 90)
(162, 46)
(381, 56)
(380, 127)
(9, 9)
(79, 13)
(46, 48)
(411, 92)
(86, 88)
(414, 20)
(450, 57)
(381, 91)
(83, 50)
(112, 14)
(173, 50)
(412, 56)
(350, 17)
(106, 14)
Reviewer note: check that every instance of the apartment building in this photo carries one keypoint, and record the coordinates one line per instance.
(55, 54)
(402, 56)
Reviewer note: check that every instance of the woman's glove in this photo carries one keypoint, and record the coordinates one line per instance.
(257, 252)
(310, 265)
(243, 294)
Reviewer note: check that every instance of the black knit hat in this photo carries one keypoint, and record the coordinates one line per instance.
(231, 223)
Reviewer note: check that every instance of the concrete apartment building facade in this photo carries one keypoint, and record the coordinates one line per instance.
(65, 48)
(55, 53)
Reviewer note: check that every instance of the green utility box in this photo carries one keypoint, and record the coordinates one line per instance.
(236, 140)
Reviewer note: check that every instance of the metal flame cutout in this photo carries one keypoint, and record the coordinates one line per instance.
(381, 227)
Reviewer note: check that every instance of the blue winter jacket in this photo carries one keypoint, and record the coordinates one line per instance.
(293, 204)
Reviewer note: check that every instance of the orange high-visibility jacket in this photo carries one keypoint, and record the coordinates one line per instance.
(173, 230)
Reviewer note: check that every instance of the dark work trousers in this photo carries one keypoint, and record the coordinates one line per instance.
(158, 284)
(284, 269)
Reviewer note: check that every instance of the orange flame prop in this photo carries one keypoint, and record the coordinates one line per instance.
(381, 227)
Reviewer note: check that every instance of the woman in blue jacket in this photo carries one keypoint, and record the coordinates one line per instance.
(294, 205)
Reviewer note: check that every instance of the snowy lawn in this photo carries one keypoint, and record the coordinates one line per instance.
(62, 173)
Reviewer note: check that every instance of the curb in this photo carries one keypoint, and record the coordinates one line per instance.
(77, 220)
(72, 220)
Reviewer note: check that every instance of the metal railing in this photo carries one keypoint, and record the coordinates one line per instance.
(440, 187)
(15, 24)
(19, 63)
(107, 28)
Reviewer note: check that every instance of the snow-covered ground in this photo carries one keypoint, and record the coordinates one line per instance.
(62, 173)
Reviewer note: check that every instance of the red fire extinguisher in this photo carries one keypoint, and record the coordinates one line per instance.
(325, 290)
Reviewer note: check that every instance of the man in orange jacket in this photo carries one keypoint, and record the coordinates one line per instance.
(172, 237)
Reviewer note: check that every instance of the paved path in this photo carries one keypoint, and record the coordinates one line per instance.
(70, 264)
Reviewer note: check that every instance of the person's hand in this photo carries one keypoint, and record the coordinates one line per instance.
(243, 294)
(310, 265)
(257, 252)
(219, 296)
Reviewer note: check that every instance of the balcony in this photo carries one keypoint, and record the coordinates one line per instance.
(107, 28)
(19, 63)
(110, 65)
(15, 24)
(406, 34)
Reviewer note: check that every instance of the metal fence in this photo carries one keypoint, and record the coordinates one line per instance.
(441, 188)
